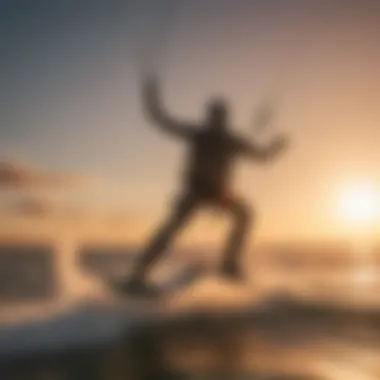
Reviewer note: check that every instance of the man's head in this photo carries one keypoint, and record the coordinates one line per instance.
(217, 114)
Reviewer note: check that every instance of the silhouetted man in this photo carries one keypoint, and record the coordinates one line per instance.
(213, 152)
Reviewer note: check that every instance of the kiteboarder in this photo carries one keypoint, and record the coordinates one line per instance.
(213, 151)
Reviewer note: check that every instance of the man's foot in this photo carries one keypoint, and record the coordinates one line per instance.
(136, 288)
(232, 273)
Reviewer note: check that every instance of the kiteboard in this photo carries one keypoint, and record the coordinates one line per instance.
(178, 282)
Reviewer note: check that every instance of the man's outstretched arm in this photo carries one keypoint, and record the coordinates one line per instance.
(264, 153)
(157, 114)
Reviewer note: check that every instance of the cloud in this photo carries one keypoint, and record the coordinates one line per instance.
(41, 207)
(31, 207)
(18, 176)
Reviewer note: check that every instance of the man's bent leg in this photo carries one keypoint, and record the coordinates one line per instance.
(164, 236)
(231, 265)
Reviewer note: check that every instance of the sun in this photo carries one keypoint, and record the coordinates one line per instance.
(359, 204)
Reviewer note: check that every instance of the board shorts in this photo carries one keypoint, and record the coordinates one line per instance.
(209, 195)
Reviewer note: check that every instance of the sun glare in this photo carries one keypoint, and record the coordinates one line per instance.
(359, 204)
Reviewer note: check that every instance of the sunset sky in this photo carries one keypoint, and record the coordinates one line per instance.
(70, 104)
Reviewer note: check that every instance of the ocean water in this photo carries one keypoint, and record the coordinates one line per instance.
(57, 320)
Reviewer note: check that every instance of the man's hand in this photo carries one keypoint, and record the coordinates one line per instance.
(156, 112)
(263, 117)
(151, 88)
(279, 144)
